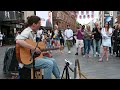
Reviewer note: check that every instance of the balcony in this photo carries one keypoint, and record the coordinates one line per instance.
(7, 16)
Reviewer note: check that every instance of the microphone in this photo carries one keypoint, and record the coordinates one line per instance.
(67, 61)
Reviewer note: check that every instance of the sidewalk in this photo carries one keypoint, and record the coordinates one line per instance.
(90, 67)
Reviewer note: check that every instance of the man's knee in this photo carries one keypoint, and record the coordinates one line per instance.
(50, 63)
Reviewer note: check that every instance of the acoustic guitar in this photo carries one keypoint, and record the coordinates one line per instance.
(23, 55)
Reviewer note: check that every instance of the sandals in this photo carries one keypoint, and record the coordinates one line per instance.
(100, 60)
(107, 59)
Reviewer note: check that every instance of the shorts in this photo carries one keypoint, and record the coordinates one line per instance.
(1, 40)
(79, 43)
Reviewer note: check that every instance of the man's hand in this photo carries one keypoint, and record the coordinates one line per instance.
(37, 51)
(47, 54)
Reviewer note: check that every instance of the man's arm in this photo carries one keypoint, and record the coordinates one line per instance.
(25, 44)
(99, 29)
(21, 41)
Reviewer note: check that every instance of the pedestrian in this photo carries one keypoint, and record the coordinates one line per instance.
(106, 33)
(79, 39)
(69, 37)
(118, 41)
(115, 41)
(56, 36)
(48, 39)
(1, 39)
(87, 38)
(96, 40)
(61, 39)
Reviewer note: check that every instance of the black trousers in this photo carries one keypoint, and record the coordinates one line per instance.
(62, 42)
(118, 51)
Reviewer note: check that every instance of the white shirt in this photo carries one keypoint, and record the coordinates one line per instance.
(106, 38)
(68, 34)
(26, 34)
(104, 34)
(40, 33)
(56, 32)
(1, 36)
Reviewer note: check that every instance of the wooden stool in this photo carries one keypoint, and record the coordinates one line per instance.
(38, 74)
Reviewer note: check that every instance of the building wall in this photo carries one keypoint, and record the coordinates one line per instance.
(63, 18)
(118, 16)
(28, 13)
(114, 16)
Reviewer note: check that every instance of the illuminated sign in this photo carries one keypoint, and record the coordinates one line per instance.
(46, 18)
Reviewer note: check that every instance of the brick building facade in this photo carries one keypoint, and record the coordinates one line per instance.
(63, 18)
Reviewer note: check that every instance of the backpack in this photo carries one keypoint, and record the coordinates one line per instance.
(10, 63)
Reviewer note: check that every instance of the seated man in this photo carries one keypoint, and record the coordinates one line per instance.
(48, 64)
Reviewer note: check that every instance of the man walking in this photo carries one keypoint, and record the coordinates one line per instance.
(69, 37)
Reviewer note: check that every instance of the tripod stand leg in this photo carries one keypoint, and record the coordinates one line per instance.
(32, 77)
(67, 74)
(63, 72)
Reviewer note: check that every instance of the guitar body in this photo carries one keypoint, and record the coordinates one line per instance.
(24, 54)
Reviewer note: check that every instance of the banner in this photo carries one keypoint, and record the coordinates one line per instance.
(84, 16)
(92, 12)
(92, 16)
(80, 17)
(88, 16)
(82, 12)
(87, 12)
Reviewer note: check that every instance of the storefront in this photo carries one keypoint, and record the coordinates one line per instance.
(9, 23)
(9, 30)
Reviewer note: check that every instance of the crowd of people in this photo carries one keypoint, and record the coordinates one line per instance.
(86, 40)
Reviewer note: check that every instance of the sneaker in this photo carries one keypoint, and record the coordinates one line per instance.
(88, 56)
(76, 54)
(100, 60)
(94, 55)
(111, 54)
(99, 55)
(83, 55)
(69, 52)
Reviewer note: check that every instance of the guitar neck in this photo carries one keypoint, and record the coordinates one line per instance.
(48, 49)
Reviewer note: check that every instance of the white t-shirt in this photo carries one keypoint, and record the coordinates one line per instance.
(69, 34)
(40, 33)
(1, 37)
(56, 32)
(27, 34)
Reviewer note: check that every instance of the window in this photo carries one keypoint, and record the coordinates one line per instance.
(7, 15)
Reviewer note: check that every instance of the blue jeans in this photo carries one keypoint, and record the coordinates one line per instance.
(96, 44)
(49, 44)
(49, 65)
(87, 44)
